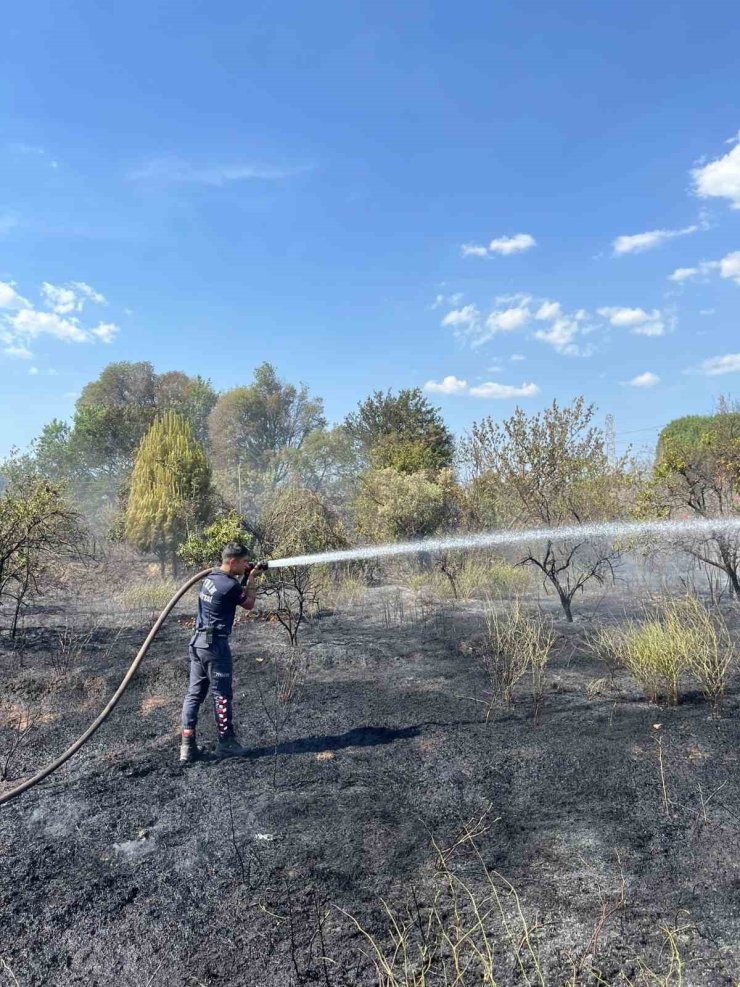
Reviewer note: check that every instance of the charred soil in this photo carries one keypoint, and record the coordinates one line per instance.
(125, 868)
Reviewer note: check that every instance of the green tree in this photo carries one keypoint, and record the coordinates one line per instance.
(170, 492)
(393, 506)
(192, 397)
(697, 474)
(114, 412)
(51, 450)
(325, 463)
(203, 549)
(94, 454)
(252, 427)
(38, 530)
(549, 470)
(401, 431)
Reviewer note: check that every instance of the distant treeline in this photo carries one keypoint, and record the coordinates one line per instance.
(170, 465)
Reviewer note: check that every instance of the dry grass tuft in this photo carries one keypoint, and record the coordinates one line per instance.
(516, 641)
(679, 638)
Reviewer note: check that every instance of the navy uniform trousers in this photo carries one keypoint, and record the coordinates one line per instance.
(210, 666)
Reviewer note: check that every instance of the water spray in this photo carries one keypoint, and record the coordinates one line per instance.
(614, 530)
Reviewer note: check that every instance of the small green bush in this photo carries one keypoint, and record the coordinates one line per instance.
(679, 638)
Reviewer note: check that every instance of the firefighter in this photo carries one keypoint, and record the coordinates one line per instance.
(228, 586)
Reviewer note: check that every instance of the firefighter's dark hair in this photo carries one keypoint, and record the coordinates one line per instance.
(233, 550)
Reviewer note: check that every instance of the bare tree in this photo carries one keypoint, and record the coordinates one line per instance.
(549, 470)
(295, 599)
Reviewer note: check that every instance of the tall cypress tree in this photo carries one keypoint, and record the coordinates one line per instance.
(170, 489)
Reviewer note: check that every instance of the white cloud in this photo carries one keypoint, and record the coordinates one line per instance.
(439, 301)
(30, 323)
(647, 379)
(729, 266)
(489, 389)
(508, 320)
(70, 297)
(9, 297)
(561, 335)
(514, 312)
(564, 328)
(22, 323)
(105, 332)
(683, 274)
(627, 316)
(449, 385)
(517, 356)
(650, 329)
(720, 178)
(33, 370)
(715, 365)
(512, 244)
(638, 242)
(176, 170)
(503, 245)
(640, 322)
(468, 317)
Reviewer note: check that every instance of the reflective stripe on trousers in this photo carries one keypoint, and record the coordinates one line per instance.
(210, 667)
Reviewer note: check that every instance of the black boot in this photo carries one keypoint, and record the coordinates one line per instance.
(189, 750)
(229, 746)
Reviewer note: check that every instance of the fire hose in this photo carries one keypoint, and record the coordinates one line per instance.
(125, 682)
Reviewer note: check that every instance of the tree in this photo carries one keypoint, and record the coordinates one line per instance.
(192, 397)
(296, 522)
(548, 470)
(203, 549)
(402, 432)
(170, 489)
(51, 450)
(697, 474)
(393, 506)
(114, 412)
(251, 427)
(95, 454)
(325, 463)
(38, 529)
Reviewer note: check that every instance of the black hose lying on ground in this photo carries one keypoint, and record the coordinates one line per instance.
(45, 772)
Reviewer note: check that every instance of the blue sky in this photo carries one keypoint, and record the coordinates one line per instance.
(500, 202)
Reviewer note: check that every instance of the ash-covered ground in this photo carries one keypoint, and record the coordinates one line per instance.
(126, 869)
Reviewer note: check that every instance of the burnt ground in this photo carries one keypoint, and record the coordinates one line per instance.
(124, 868)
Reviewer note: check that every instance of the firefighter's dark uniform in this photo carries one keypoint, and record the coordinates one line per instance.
(210, 654)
